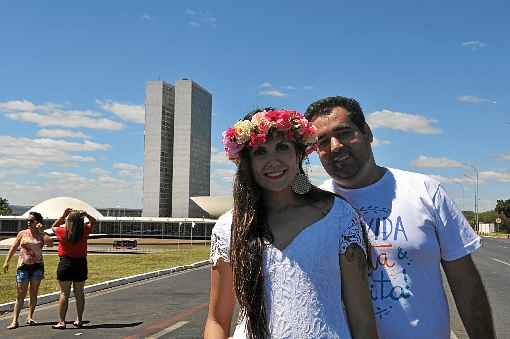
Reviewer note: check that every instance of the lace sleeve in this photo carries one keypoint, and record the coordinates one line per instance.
(220, 240)
(353, 234)
(219, 249)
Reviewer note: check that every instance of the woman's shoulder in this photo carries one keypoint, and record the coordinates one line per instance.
(223, 224)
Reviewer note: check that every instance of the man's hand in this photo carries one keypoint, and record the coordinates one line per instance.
(6, 267)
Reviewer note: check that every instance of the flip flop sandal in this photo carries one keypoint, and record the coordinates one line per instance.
(31, 322)
(59, 326)
(78, 324)
(12, 326)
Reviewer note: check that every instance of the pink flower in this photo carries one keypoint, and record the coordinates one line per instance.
(230, 133)
(232, 149)
(257, 139)
(282, 118)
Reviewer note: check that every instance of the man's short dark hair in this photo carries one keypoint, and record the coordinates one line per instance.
(325, 106)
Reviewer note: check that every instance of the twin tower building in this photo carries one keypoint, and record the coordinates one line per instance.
(177, 148)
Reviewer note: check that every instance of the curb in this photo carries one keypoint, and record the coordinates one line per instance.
(51, 297)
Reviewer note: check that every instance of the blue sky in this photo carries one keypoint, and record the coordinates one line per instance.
(432, 78)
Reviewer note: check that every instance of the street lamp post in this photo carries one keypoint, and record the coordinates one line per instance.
(477, 173)
(120, 223)
(179, 237)
(192, 227)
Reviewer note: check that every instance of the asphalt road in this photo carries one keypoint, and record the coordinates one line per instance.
(175, 306)
(493, 262)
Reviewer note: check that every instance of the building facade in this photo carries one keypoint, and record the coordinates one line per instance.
(177, 148)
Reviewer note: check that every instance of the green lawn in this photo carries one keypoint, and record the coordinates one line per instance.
(103, 268)
(497, 235)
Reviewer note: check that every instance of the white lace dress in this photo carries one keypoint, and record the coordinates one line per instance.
(302, 282)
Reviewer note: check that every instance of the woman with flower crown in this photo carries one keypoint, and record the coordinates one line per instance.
(292, 256)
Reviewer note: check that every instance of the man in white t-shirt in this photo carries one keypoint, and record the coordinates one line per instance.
(413, 227)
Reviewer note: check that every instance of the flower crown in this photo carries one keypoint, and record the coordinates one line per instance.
(255, 131)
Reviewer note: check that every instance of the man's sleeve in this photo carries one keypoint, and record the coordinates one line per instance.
(456, 236)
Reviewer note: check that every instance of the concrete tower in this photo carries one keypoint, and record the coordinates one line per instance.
(177, 148)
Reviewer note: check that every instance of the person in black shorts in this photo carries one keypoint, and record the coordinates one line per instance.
(72, 268)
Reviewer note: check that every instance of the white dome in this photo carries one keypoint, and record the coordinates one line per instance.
(53, 208)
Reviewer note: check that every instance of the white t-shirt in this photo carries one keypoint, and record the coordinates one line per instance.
(412, 225)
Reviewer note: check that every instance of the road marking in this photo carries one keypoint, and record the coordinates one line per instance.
(501, 261)
(168, 330)
(453, 336)
(149, 329)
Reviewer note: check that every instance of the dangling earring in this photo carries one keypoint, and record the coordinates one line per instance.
(301, 184)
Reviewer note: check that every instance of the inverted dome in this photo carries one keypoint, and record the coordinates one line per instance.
(53, 208)
(215, 206)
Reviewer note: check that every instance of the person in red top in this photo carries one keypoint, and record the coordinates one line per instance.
(72, 268)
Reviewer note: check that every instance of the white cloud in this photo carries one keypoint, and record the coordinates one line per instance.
(127, 112)
(127, 170)
(99, 171)
(18, 105)
(61, 133)
(219, 187)
(218, 157)
(472, 99)
(197, 18)
(124, 166)
(147, 17)
(498, 176)
(316, 174)
(99, 191)
(56, 115)
(307, 87)
(63, 145)
(273, 93)
(379, 142)
(504, 156)
(227, 174)
(80, 158)
(431, 162)
(266, 85)
(19, 162)
(289, 87)
(33, 153)
(402, 121)
(484, 176)
(474, 44)
(451, 180)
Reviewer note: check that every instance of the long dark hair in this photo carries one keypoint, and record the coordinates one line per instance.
(74, 227)
(37, 216)
(249, 236)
